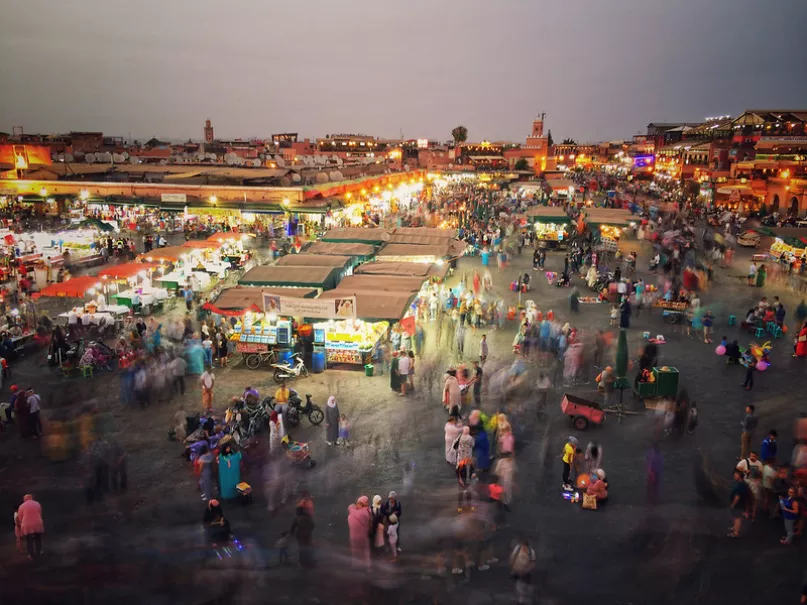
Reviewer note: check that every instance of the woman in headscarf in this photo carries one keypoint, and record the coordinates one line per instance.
(31, 525)
(451, 392)
(331, 421)
(377, 526)
(465, 449)
(359, 521)
(394, 378)
(229, 472)
(452, 431)
(505, 442)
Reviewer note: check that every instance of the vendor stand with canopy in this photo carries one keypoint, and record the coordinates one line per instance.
(422, 270)
(254, 330)
(232, 245)
(550, 225)
(93, 311)
(129, 285)
(607, 224)
(189, 264)
(357, 235)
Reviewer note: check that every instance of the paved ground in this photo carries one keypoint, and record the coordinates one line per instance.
(133, 548)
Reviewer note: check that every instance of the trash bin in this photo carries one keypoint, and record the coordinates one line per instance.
(318, 362)
(369, 369)
(666, 381)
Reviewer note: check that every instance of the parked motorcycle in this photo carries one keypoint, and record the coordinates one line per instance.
(287, 371)
(296, 409)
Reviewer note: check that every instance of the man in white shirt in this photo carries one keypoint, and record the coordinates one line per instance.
(34, 408)
(483, 349)
(404, 365)
(752, 471)
(207, 380)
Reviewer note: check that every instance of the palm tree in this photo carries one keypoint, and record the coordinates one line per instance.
(569, 142)
(459, 134)
(549, 140)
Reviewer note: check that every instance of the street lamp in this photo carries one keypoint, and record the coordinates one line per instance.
(213, 199)
(43, 192)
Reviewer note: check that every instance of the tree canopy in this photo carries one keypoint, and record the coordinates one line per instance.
(459, 134)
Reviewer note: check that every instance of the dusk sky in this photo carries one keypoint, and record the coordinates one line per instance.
(599, 69)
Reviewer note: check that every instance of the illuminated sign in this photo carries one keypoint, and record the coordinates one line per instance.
(641, 161)
(423, 143)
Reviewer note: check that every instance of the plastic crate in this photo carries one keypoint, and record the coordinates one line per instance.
(646, 389)
(666, 381)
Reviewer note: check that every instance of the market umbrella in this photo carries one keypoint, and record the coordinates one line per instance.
(622, 355)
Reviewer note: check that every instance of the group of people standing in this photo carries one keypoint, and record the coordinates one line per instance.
(374, 529)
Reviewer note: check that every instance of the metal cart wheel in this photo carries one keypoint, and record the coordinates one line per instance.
(580, 423)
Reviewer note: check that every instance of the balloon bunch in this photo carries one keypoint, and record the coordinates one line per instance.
(758, 356)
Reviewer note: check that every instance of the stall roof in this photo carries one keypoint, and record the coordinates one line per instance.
(202, 244)
(424, 270)
(606, 216)
(552, 214)
(360, 235)
(339, 249)
(244, 297)
(425, 231)
(382, 283)
(443, 250)
(125, 270)
(229, 235)
(72, 288)
(314, 260)
(314, 277)
(560, 184)
(170, 254)
(375, 306)
(420, 240)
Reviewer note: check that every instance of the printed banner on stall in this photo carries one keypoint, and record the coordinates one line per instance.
(321, 308)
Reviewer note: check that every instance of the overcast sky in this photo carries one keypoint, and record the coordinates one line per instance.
(600, 69)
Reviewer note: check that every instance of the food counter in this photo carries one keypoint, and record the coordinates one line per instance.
(791, 253)
(256, 332)
(133, 298)
(348, 341)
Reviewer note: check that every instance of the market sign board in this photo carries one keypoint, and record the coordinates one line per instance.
(179, 198)
(320, 308)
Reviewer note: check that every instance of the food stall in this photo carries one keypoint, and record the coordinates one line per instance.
(254, 332)
(129, 285)
(607, 224)
(793, 249)
(189, 264)
(348, 341)
(550, 224)
(322, 278)
(232, 244)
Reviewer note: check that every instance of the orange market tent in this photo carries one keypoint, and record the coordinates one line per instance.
(170, 254)
(201, 243)
(126, 270)
(72, 288)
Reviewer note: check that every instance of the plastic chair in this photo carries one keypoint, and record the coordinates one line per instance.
(86, 371)
(759, 333)
(732, 320)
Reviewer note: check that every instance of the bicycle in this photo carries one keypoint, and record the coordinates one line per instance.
(254, 360)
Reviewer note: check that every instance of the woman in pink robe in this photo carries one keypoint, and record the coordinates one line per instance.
(359, 521)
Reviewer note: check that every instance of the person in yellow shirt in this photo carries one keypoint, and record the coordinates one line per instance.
(568, 458)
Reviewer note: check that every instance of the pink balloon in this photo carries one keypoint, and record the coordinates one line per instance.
(720, 350)
(762, 366)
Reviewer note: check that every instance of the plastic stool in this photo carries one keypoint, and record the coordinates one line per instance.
(771, 326)
(759, 333)
(732, 320)
(777, 332)
(86, 371)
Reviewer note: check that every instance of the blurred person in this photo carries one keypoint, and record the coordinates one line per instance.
(32, 526)
(389, 508)
(452, 433)
(751, 468)
(748, 425)
(392, 536)
(206, 460)
(344, 431)
(542, 386)
(331, 421)
(302, 528)
(567, 457)
(476, 381)
(229, 472)
(483, 350)
(598, 487)
(522, 563)
(34, 413)
(377, 529)
(216, 525)
(404, 365)
(359, 522)
(452, 398)
(505, 471)
(593, 458)
(769, 447)
(207, 381)
(791, 511)
(739, 500)
(655, 466)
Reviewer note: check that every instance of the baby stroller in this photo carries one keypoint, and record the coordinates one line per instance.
(298, 452)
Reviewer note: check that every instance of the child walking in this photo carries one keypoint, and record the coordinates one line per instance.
(614, 315)
(344, 431)
(392, 536)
